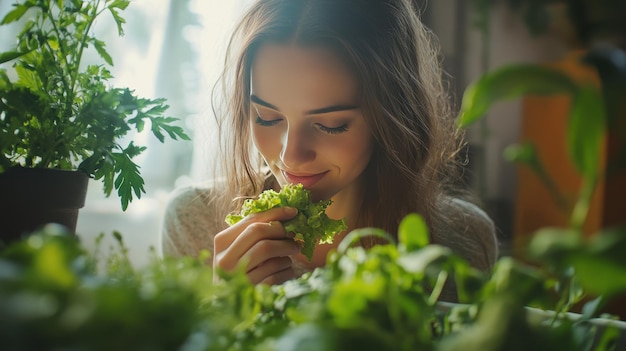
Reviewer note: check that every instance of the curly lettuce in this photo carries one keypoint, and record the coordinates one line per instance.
(310, 226)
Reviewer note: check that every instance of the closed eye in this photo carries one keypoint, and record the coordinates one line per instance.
(334, 130)
(265, 123)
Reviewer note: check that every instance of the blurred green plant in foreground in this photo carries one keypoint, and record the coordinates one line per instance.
(54, 295)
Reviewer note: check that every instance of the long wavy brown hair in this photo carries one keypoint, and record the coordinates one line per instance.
(402, 96)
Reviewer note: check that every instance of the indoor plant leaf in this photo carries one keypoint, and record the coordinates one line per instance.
(510, 82)
(10, 55)
(585, 130)
(16, 13)
(413, 232)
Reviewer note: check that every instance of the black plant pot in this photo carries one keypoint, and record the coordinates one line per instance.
(33, 197)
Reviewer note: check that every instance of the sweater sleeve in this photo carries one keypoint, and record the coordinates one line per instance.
(188, 224)
(470, 234)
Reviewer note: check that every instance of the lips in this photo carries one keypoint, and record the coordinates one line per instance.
(306, 180)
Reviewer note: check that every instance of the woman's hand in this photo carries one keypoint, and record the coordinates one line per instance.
(260, 241)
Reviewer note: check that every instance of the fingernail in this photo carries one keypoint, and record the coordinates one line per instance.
(291, 211)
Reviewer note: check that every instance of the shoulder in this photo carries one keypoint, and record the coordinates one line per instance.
(190, 220)
(190, 197)
(468, 231)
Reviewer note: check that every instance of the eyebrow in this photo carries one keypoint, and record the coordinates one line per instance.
(334, 108)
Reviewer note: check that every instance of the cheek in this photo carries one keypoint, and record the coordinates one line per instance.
(351, 154)
(264, 139)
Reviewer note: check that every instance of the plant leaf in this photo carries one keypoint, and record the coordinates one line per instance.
(417, 261)
(11, 55)
(591, 308)
(120, 4)
(413, 232)
(28, 79)
(511, 82)
(161, 123)
(16, 13)
(598, 275)
(119, 21)
(585, 130)
(526, 154)
(553, 246)
(360, 233)
(128, 180)
(100, 48)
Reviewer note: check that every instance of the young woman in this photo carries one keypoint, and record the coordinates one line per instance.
(345, 97)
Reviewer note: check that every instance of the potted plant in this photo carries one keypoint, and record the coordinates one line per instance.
(61, 122)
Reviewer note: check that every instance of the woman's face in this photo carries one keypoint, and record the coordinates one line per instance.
(306, 120)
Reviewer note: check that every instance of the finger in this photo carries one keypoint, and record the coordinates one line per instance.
(267, 249)
(226, 237)
(273, 271)
(259, 241)
(255, 233)
(279, 277)
(275, 214)
(268, 268)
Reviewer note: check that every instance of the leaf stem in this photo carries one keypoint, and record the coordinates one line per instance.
(81, 47)
(581, 208)
(62, 48)
(441, 281)
(561, 201)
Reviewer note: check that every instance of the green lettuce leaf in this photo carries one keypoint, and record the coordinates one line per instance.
(311, 225)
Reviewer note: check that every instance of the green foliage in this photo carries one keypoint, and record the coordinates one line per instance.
(413, 232)
(59, 114)
(56, 295)
(568, 267)
(585, 129)
(587, 116)
(310, 226)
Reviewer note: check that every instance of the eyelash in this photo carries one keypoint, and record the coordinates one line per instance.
(260, 121)
(336, 130)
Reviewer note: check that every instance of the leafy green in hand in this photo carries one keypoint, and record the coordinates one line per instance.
(311, 225)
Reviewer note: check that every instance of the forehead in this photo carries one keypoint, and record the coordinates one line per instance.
(283, 72)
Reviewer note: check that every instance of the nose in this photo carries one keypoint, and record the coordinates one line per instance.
(297, 148)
